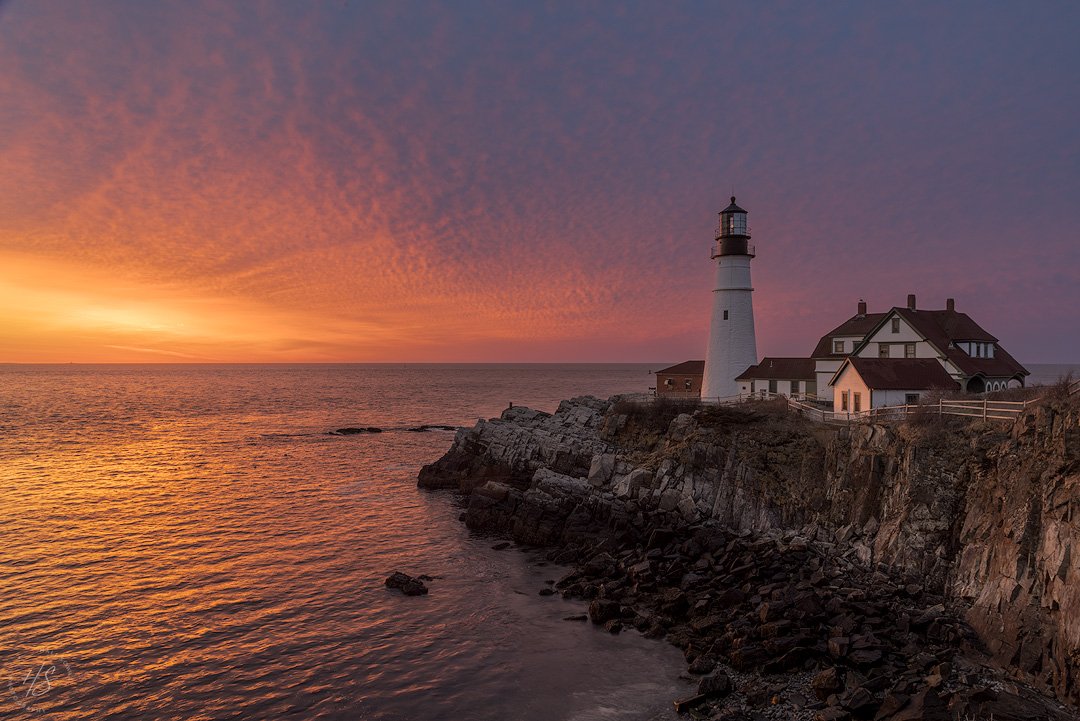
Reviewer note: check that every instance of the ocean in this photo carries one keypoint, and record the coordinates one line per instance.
(188, 542)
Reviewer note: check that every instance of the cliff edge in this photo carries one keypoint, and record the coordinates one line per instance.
(981, 521)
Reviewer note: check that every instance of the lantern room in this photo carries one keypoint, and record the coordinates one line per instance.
(733, 234)
(733, 222)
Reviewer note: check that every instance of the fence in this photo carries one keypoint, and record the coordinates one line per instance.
(983, 409)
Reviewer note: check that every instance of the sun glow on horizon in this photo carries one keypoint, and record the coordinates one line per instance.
(354, 182)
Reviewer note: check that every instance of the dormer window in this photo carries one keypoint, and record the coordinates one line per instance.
(838, 346)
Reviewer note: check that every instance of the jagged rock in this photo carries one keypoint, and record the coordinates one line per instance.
(702, 665)
(875, 534)
(601, 469)
(826, 683)
(718, 684)
(602, 611)
(406, 584)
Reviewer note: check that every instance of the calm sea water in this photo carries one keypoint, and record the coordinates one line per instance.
(187, 542)
(1050, 373)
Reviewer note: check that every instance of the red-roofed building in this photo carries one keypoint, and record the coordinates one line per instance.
(865, 383)
(792, 377)
(681, 380)
(968, 354)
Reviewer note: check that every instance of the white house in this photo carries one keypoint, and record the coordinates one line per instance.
(970, 355)
(864, 383)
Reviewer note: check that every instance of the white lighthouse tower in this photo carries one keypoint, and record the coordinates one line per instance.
(732, 347)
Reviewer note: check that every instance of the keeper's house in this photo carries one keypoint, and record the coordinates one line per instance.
(966, 352)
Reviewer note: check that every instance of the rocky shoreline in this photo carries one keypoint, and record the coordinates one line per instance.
(806, 573)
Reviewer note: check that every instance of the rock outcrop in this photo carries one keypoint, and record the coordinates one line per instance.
(510, 449)
(984, 517)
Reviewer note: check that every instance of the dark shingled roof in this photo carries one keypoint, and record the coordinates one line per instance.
(686, 368)
(858, 325)
(733, 208)
(780, 369)
(944, 327)
(900, 374)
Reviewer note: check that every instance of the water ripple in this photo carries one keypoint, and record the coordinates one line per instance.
(193, 545)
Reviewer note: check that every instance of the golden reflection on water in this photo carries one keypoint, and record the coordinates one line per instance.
(190, 557)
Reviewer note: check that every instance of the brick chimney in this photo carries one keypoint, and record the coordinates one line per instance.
(911, 301)
(950, 304)
(862, 307)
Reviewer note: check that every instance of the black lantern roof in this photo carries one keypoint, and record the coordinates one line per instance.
(733, 208)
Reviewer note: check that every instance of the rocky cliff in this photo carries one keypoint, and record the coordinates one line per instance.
(986, 516)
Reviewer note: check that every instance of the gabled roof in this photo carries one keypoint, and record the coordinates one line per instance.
(899, 374)
(857, 325)
(1002, 365)
(780, 369)
(686, 368)
(942, 328)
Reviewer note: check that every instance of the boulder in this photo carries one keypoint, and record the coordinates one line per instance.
(406, 584)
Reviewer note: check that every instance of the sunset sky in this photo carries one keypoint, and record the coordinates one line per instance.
(358, 181)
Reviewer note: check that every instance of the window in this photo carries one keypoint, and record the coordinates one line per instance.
(669, 382)
(725, 315)
(794, 387)
(838, 346)
(772, 386)
(843, 400)
(856, 402)
(895, 325)
(736, 224)
(687, 384)
(882, 350)
(909, 350)
(911, 399)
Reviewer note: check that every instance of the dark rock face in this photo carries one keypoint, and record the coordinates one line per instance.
(407, 584)
(511, 448)
(757, 541)
(355, 431)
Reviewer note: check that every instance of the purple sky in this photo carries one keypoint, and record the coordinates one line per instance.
(527, 182)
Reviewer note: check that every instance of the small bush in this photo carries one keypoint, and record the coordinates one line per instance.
(748, 412)
(1058, 393)
(658, 414)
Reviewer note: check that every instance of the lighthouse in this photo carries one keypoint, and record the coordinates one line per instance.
(732, 347)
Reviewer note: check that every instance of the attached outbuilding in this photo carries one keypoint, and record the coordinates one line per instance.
(864, 383)
(792, 377)
(682, 380)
